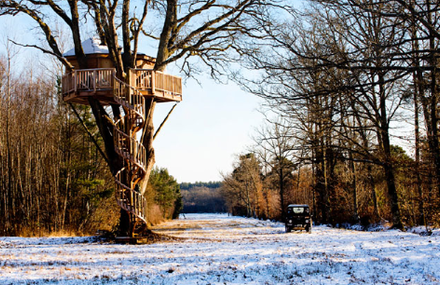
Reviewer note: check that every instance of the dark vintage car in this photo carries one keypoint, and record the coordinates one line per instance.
(298, 217)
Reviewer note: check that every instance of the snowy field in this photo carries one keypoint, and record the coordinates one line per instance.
(217, 249)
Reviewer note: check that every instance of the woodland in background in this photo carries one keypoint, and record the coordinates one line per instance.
(202, 197)
(52, 177)
(341, 80)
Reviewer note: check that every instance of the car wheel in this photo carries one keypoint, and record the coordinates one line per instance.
(288, 230)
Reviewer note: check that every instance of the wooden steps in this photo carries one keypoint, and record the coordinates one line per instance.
(133, 153)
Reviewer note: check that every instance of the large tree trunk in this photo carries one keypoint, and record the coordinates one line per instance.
(418, 91)
(281, 181)
(164, 52)
(147, 140)
(384, 142)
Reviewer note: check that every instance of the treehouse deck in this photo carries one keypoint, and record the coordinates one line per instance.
(103, 85)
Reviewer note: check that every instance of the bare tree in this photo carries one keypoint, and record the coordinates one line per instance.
(242, 188)
(274, 147)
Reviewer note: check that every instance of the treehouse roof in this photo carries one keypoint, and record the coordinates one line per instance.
(94, 46)
(90, 46)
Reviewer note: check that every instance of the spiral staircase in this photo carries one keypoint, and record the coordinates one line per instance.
(133, 154)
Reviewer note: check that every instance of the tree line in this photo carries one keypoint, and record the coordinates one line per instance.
(210, 184)
(202, 197)
(344, 82)
(52, 177)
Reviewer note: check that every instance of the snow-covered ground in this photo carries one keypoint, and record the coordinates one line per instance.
(217, 249)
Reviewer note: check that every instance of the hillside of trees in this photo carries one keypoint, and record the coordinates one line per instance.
(202, 197)
(52, 176)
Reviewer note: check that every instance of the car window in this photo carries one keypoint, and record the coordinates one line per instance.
(298, 210)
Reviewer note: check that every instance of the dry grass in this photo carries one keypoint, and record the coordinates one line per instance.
(31, 232)
(155, 215)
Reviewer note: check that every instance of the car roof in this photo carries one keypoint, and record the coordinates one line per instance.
(298, 205)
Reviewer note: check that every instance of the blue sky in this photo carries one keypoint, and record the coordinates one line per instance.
(206, 131)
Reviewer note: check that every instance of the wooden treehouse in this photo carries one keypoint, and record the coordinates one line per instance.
(100, 82)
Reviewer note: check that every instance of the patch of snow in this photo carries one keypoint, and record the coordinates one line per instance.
(424, 231)
(220, 249)
(90, 46)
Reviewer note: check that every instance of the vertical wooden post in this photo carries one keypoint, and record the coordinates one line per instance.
(74, 81)
(153, 81)
(94, 81)
(131, 77)
(112, 79)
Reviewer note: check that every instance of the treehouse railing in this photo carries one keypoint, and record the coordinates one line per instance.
(91, 80)
(147, 81)
(157, 82)
(168, 83)
(68, 83)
